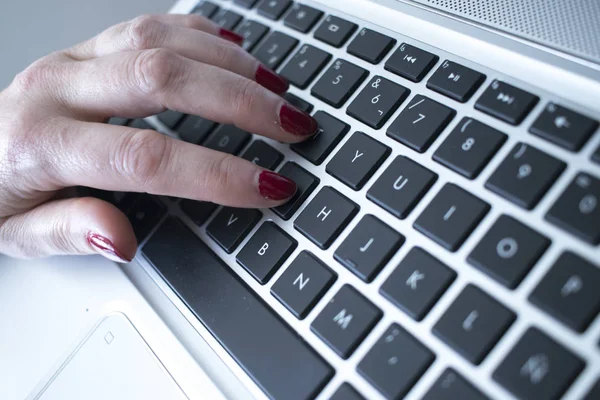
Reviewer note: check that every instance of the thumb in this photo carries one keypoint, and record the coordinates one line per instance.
(72, 226)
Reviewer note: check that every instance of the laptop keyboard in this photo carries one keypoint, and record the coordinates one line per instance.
(392, 171)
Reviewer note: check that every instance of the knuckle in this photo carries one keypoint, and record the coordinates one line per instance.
(243, 96)
(34, 77)
(144, 32)
(219, 175)
(194, 21)
(155, 70)
(228, 55)
(142, 157)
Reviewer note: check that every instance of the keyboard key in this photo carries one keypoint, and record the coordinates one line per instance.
(275, 49)
(335, 31)
(371, 46)
(226, 19)
(317, 148)
(596, 156)
(401, 186)
(420, 123)
(273, 9)
(325, 217)
(205, 9)
(451, 385)
(369, 246)
(577, 210)
(198, 211)
(345, 321)
(275, 357)
(564, 127)
(304, 66)
(305, 182)
(569, 291)
(252, 33)
(506, 102)
(263, 155)
(376, 103)
(473, 324)
(231, 225)
(594, 392)
(410, 62)
(395, 363)
(144, 215)
(451, 217)
(338, 83)
(469, 147)
(266, 251)
(302, 17)
(298, 102)
(303, 284)
(538, 368)
(245, 3)
(455, 81)
(525, 175)
(194, 129)
(357, 160)
(417, 283)
(118, 121)
(228, 139)
(508, 251)
(346, 392)
(170, 118)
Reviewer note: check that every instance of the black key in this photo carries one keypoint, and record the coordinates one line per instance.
(228, 139)
(508, 251)
(357, 160)
(302, 17)
(577, 210)
(170, 118)
(596, 156)
(345, 321)
(369, 246)
(376, 103)
(564, 127)
(410, 62)
(538, 368)
(473, 324)
(451, 385)
(417, 283)
(317, 148)
(371, 46)
(194, 129)
(298, 102)
(245, 3)
(252, 32)
(325, 217)
(205, 9)
(303, 284)
(140, 124)
(401, 186)
(395, 363)
(455, 81)
(118, 121)
(451, 216)
(506, 102)
(198, 211)
(144, 215)
(275, 49)
(339, 83)
(469, 147)
(226, 19)
(304, 66)
(594, 393)
(231, 225)
(266, 251)
(335, 31)
(569, 291)
(272, 354)
(305, 182)
(273, 9)
(263, 155)
(346, 392)
(525, 175)
(420, 123)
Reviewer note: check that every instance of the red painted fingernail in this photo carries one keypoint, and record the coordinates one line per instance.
(106, 248)
(231, 36)
(297, 122)
(275, 187)
(269, 79)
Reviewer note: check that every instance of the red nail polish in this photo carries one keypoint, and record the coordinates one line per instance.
(297, 122)
(275, 187)
(231, 36)
(270, 80)
(105, 247)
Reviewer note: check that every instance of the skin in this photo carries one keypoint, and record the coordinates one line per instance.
(53, 133)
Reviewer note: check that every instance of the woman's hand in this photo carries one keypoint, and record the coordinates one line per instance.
(53, 135)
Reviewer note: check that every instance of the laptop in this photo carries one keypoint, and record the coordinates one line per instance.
(444, 239)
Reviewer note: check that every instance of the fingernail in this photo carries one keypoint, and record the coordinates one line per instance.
(273, 186)
(297, 122)
(270, 80)
(231, 36)
(106, 248)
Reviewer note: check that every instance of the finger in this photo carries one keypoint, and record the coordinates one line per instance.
(73, 226)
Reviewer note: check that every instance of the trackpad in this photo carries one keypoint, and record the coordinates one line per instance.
(114, 362)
